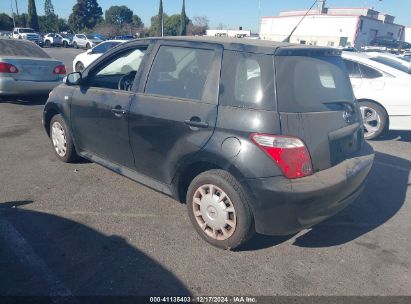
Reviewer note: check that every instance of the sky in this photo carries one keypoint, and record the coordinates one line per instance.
(230, 13)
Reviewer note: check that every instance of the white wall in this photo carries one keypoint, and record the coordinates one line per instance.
(407, 35)
(326, 30)
(320, 28)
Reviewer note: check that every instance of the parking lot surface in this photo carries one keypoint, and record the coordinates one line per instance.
(80, 229)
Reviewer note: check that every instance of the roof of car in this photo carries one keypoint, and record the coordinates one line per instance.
(239, 43)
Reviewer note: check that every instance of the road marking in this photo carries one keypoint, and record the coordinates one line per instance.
(25, 253)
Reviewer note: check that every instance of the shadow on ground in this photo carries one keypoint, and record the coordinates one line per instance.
(383, 197)
(86, 261)
(24, 100)
(395, 135)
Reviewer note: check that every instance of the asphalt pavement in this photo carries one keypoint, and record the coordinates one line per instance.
(80, 229)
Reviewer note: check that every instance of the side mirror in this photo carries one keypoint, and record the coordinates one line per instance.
(73, 78)
(89, 52)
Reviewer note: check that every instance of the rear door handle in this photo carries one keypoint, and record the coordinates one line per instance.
(118, 111)
(196, 122)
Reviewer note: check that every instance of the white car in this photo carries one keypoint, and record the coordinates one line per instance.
(383, 93)
(83, 60)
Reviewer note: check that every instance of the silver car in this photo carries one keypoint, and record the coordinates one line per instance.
(26, 69)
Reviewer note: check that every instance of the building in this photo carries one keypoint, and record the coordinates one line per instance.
(229, 33)
(407, 34)
(331, 26)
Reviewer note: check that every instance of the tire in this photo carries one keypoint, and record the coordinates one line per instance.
(375, 119)
(47, 44)
(75, 45)
(88, 46)
(61, 140)
(204, 209)
(65, 44)
(79, 66)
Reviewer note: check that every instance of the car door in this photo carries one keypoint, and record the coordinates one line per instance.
(99, 107)
(174, 114)
(354, 72)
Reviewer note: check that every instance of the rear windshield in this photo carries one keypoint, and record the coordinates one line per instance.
(308, 83)
(391, 63)
(14, 47)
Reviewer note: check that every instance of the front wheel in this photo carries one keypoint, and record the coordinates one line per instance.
(374, 118)
(219, 210)
(88, 46)
(65, 44)
(75, 45)
(61, 140)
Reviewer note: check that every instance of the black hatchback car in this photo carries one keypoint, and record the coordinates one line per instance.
(254, 136)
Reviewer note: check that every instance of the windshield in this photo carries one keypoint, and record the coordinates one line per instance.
(91, 37)
(391, 63)
(21, 48)
(26, 30)
(308, 83)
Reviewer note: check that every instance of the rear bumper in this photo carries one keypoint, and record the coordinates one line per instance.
(285, 206)
(10, 86)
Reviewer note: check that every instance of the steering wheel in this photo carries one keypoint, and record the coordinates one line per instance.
(126, 81)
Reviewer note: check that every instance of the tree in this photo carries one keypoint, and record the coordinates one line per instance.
(32, 20)
(21, 20)
(137, 22)
(48, 8)
(119, 15)
(198, 26)
(160, 20)
(183, 21)
(6, 22)
(85, 15)
(172, 25)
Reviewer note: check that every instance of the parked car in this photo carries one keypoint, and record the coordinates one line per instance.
(383, 93)
(124, 37)
(67, 40)
(391, 60)
(83, 60)
(26, 69)
(52, 39)
(191, 117)
(27, 34)
(85, 41)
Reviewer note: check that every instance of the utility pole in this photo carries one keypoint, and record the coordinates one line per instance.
(12, 13)
(17, 8)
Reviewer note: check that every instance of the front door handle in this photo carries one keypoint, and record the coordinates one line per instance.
(119, 111)
(196, 122)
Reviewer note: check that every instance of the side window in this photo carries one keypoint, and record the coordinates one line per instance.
(353, 68)
(247, 80)
(119, 73)
(180, 72)
(369, 73)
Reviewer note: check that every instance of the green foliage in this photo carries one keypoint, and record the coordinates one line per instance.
(21, 20)
(48, 8)
(6, 22)
(86, 14)
(183, 21)
(32, 20)
(172, 25)
(137, 22)
(119, 15)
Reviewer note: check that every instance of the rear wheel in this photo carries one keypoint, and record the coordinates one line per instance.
(88, 46)
(61, 140)
(65, 44)
(79, 66)
(47, 43)
(219, 210)
(375, 119)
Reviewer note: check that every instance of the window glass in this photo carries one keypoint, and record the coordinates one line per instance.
(121, 68)
(104, 47)
(308, 83)
(368, 72)
(394, 63)
(247, 80)
(19, 47)
(353, 68)
(180, 72)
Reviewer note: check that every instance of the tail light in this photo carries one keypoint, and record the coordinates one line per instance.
(8, 68)
(59, 70)
(290, 153)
